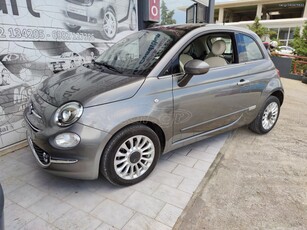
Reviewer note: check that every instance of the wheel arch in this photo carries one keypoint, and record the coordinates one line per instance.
(107, 166)
(104, 10)
(279, 94)
(152, 125)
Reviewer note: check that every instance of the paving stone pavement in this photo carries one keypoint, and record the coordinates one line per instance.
(36, 200)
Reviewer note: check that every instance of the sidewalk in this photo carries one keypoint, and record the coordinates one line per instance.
(260, 181)
(36, 200)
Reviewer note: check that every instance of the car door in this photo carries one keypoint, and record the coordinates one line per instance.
(214, 100)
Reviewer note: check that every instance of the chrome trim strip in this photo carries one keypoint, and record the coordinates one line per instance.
(32, 111)
(62, 161)
(52, 160)
(208, 132)
(29, 123)
(215, 119)
(252, 108)
(35, 154)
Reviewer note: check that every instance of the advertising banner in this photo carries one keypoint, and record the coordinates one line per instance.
(40, 38)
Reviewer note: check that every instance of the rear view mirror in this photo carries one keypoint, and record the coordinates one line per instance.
(191, 68)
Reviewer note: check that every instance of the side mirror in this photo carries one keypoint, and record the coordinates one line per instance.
(191, 68)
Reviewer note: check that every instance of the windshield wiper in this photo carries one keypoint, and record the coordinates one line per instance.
(108, 66)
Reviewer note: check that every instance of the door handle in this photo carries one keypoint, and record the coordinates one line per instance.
(243, 82)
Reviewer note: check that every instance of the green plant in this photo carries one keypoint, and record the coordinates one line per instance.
(259, 29)
(166, 15)
(299, 42)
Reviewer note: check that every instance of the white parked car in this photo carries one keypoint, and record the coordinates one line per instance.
(66, 61)
(285, 50)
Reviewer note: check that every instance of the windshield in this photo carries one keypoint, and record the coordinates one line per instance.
(138, 53)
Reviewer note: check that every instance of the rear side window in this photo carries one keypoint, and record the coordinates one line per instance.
(248, 49)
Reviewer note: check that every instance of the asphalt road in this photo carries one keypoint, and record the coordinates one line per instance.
(258, 181)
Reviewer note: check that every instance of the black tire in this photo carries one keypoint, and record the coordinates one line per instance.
(72, 28)
(106, 34)
(304, 79)
(257, 125)
(107, 167)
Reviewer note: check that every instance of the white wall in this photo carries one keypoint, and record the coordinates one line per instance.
(34, 34)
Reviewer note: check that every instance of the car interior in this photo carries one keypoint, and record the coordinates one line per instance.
(215, 49)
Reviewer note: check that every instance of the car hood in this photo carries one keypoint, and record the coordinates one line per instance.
(88, 86)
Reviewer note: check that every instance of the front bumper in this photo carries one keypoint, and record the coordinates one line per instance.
(44, 159)
(80, 162)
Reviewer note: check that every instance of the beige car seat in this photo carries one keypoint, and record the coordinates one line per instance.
(214, 59)
(184, 58)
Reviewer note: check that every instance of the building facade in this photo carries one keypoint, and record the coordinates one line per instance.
(282, 16)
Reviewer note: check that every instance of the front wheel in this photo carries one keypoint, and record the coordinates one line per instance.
(131, 155)
(267, 116)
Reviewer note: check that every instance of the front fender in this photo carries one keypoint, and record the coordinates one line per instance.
(113, 117)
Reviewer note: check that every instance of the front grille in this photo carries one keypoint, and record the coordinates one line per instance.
(77, 16)
(42, 155)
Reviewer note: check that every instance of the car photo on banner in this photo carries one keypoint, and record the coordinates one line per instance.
(105, 16)
(66, 61)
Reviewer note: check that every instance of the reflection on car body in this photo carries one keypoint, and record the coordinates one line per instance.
(66, 60)
(100, 15)
(152, 92)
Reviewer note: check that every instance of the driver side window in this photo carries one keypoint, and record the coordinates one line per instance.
(217, 49)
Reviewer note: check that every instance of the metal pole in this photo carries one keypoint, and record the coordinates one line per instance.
(211, 11)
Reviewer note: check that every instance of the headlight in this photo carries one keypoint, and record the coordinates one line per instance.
(68, 114)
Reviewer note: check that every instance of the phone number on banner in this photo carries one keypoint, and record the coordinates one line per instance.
(21, 33)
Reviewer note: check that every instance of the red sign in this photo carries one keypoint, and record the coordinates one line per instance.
(154, 10)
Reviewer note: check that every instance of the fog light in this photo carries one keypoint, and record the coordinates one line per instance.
(67, 140)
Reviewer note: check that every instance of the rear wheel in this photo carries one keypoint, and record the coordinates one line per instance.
(267, 116)
(131, 155)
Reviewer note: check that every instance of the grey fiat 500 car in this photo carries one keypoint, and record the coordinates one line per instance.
(152, 92)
